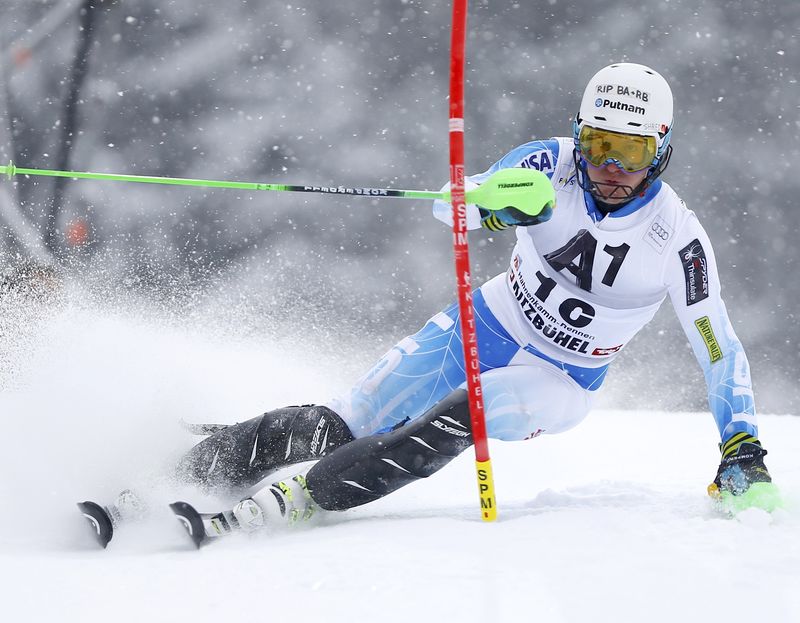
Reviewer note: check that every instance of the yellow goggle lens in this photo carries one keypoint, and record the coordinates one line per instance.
(632, 151)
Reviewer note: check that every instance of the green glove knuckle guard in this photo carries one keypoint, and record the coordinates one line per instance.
(742, 464)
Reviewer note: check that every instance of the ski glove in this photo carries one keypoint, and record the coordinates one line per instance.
(742, 464)
(497, 220)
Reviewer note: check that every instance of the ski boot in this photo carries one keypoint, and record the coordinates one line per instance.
(285, 503)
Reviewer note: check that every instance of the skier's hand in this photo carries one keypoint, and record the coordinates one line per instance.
(742, 464)
(497, 220)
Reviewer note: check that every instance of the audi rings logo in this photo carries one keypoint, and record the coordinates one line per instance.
(659, 231)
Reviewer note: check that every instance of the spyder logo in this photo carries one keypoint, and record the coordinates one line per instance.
(693, 252)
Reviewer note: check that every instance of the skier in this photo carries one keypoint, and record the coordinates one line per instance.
(582, 281)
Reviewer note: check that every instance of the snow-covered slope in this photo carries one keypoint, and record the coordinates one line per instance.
(608, 522)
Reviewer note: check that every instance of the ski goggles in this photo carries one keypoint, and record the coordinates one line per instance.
(632, 152)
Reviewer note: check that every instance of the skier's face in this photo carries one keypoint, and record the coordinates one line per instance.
(610, 175)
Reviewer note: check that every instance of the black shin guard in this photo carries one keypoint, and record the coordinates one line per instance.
(241, 455)
(369, 468)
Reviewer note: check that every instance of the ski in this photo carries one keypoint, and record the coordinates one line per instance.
(100, 518)
(203, 527)
(105, 519)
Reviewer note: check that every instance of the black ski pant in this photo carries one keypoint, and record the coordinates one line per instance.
(241, 455)
(371, 467)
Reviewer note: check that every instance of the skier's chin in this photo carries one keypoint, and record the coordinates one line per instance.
(613, 188)
(612, 193)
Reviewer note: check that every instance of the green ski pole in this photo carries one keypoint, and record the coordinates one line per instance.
(527, 190)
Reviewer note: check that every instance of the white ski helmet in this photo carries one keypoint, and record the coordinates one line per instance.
(628, 98)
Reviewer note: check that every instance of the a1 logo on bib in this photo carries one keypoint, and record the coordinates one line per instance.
(658, 234)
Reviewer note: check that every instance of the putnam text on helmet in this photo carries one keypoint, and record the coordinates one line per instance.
(603, 103)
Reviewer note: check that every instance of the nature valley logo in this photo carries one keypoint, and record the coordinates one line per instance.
(704, 326)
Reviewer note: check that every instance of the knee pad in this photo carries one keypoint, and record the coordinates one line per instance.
(371, 467)
(242, 454)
